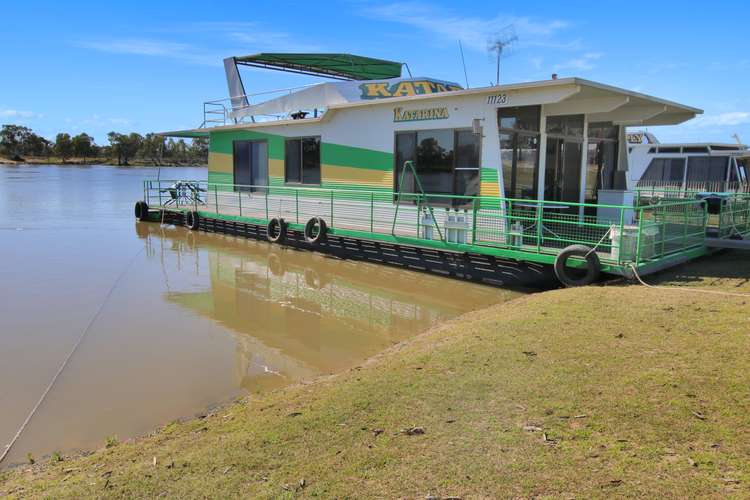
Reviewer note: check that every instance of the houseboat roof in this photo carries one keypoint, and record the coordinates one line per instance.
(559, 96)
(693, 147)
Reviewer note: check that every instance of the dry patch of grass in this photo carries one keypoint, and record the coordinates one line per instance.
(600, 391)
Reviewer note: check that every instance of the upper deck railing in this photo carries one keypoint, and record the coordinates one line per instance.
(225, 111)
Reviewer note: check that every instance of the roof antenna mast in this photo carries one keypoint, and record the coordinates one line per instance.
(463, 62)
(499, 45)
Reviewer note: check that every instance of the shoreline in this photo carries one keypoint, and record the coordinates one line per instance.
(213, 409)
(105, 162)
(554, 398)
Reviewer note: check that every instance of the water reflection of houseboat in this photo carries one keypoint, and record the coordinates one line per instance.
(298, 314)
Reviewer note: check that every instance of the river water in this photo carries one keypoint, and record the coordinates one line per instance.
(182, 320)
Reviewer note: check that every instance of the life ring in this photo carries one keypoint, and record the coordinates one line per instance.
(192, 220)
(593, 266)
(315, 230)
(276, 230)
(141, 210)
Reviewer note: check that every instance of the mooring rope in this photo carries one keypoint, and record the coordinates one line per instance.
(686, 289)
(67, 358)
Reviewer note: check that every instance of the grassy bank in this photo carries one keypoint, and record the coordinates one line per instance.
(53, 160)
(600, 391)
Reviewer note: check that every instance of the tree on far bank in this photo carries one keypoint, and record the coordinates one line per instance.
(13, 138)
(82, 145)
(152, 147)
(125, 146)
(63, 146)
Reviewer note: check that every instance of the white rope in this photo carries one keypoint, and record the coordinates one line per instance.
(600, 242)
(686, 289)
(67, 358)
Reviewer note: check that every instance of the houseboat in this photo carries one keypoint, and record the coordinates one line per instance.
(419, 172)
(706, 167)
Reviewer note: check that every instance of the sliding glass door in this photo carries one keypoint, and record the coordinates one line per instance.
(562, 171)
(250, 165)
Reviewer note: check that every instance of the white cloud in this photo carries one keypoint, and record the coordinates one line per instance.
(136, 46)
(252, 37)
(151, 48)
(19, 114)
(728, 119)
(584, 62)
(474, 32)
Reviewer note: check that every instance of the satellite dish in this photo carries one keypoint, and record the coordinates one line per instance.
(499, 45)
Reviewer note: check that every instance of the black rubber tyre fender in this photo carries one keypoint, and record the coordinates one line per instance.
(322, 229)
(192, 220)
(276, 230)
(593, 266)
(141, 210)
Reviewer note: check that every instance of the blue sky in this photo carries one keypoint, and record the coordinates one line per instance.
(148, 66)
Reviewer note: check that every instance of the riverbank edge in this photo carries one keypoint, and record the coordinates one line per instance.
(284, 406)
(110, 162)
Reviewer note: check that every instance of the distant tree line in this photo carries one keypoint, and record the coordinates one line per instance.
(18, 142)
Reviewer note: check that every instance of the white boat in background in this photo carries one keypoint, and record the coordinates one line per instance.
(707, 167)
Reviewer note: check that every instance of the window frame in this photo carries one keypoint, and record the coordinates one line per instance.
(454, 169)
(515, 133)
(301, 161)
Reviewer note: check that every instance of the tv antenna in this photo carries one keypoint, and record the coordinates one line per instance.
(463, 62)
(737, 138)
(499, 45)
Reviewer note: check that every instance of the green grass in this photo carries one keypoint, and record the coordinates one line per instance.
(593, 392)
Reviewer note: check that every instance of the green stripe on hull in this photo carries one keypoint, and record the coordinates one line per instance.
(348, 156)
(488, 175)
(221, 142)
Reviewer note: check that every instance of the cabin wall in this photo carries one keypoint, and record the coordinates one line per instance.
(357, 144)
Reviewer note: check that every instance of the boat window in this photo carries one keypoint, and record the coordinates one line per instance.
(520, 159)
(446, 161)
(695, 149)
(604, 130)
(519, 118)
(743, 170)
(719, 147)
(652, 150)
(302, 160)
(665, 170)
(732, 170)
(707, 168)
(601, 159)
(669, 150)
(519, 152)
(567, 125)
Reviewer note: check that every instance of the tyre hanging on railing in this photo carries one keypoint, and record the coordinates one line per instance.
(572, 277)
(276, 230)
(192, 220)
(315, 230)
(141, 210)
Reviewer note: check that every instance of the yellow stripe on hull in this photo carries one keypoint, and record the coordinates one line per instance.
(220, 163)
(357, 176)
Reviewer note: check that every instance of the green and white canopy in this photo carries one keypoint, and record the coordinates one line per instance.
(339, 66)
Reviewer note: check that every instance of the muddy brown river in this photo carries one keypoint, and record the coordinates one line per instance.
(181, 321)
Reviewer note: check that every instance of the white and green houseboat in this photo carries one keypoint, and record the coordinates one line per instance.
(420, 172)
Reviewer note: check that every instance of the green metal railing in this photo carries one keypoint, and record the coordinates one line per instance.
(732, 220)
(530, 230)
